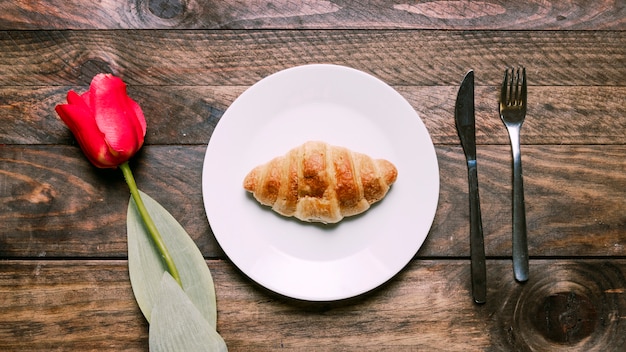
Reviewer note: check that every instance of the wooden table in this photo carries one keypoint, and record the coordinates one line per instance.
(63, 270)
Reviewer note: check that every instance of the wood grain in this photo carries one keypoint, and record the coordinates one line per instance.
(227, 58)
(63, 275)
(207, 14)
(188, 115)
(88, 306)
(58, 205)
(69, 306)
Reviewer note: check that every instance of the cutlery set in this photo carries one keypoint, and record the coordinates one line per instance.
(512, 112)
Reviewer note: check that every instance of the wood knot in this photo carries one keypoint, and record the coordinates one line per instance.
(29, 196)
(565, 317)
(166, 9)
(574, 305)
(42, 193)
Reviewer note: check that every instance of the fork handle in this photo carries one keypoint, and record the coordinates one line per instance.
(520, 242)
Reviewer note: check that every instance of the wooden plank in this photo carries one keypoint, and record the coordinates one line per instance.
(188, 115)
(164, 14)
(65, 306)
(88, 306)
(56, 204)
(63, 206)
(175, 115)
(399, 57)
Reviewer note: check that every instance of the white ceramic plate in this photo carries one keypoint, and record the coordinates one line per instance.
(341, 106)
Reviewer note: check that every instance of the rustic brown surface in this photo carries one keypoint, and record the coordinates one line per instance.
(136, 14)
(575, 198)
(88, 305)
(242, 57)
(63, 272)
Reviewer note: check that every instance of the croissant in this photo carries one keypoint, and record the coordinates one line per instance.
(318, 182)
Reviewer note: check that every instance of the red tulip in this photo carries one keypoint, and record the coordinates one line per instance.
(108, 125)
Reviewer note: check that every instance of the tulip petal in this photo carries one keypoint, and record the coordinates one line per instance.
(80, 121)
(74, 99)
(86, 97)
(115, 117)
(141, 132)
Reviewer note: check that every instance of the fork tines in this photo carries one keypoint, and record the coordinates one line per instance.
(516, 83)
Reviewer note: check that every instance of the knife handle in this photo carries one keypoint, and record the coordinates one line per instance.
(477, 245)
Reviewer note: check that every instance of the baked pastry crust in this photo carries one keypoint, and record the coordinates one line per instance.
(319, 182)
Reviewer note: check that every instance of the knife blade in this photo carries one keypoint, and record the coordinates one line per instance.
(466, 128)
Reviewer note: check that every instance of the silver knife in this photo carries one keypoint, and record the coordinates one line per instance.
(465, 125)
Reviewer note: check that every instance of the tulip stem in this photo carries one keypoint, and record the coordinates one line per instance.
(150, 226)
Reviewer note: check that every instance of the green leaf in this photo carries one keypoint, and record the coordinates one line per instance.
(177, 325)
(146, 266)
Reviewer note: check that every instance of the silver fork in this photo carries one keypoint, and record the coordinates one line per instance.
(512, 113)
